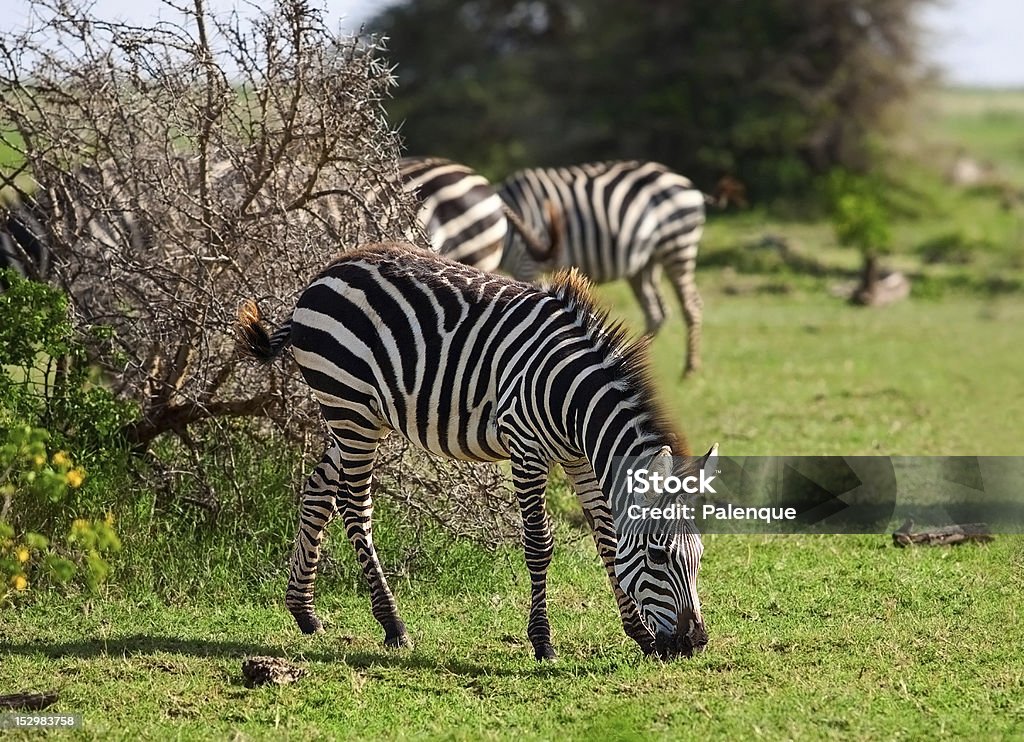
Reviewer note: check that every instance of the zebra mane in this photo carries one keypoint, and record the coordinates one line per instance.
(628, 360)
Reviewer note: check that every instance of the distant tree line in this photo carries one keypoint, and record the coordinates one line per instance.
(770, 91)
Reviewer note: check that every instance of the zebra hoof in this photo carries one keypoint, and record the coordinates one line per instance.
(400, 641)
(545, 653)
(309, 623)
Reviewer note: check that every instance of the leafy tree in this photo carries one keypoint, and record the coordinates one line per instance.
(772, 91)
(861, 220)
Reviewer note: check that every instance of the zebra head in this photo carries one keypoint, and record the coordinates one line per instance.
(657, 562)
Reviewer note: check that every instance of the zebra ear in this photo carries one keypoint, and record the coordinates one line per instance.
(709, 462)
(663, 465)
(662, 462)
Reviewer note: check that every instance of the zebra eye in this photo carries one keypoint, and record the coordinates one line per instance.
(658, 554)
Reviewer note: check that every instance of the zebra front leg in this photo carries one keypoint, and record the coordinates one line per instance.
(648, 294)
(632, 623)
(530, 478)
(356, 507)
(602, 527)
(682, 274)
(317, 510)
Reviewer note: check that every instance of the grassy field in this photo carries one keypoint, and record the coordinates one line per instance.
(836, 637)
(811, 637)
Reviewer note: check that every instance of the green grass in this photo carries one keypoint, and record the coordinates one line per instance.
(805, 374)
(986, 123)
(811, 637)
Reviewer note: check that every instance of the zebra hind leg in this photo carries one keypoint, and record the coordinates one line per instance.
(356, 507)
(530, 477)
(317, 510)
(682, 274)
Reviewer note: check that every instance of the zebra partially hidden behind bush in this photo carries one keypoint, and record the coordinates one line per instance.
(620, 220)
(85, 210)
(465, 219)
(24, 244)
(480, 367)
(457, 207)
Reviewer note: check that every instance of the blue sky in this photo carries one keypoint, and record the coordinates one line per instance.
(974, 42)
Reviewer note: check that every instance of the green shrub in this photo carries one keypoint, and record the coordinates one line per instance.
(859, 217)
(27, 557)
(46, 379)
(54, 527)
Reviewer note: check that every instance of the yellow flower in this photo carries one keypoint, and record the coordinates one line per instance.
(61, 459)
(38, 459)
(75, 478)
(80, 524)
(22, 553)
(19, 582)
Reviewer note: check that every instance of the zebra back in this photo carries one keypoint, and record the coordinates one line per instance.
(463, 215)
(617, 216)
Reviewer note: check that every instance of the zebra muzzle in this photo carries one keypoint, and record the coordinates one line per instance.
(689, 639)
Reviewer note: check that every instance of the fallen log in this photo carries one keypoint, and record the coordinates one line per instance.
(29, 701)
(944, 536)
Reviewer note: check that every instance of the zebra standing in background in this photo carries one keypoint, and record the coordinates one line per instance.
(479, 367)
(463, 216)
(620, 220)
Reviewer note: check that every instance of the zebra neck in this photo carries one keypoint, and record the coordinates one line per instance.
(618, 442)
(613, 473)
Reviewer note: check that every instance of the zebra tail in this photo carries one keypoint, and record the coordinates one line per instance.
(534, 245)
(556, 229)
(253, 338)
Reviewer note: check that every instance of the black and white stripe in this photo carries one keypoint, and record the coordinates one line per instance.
(621, 220)
(463, 216)
(24, 241)
(479, 367)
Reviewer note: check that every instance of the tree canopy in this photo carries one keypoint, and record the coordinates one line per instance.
(771, 91)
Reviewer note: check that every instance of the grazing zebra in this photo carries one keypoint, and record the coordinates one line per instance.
(459, 209)
(621, 220)
(479, 367)
(463, 216)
